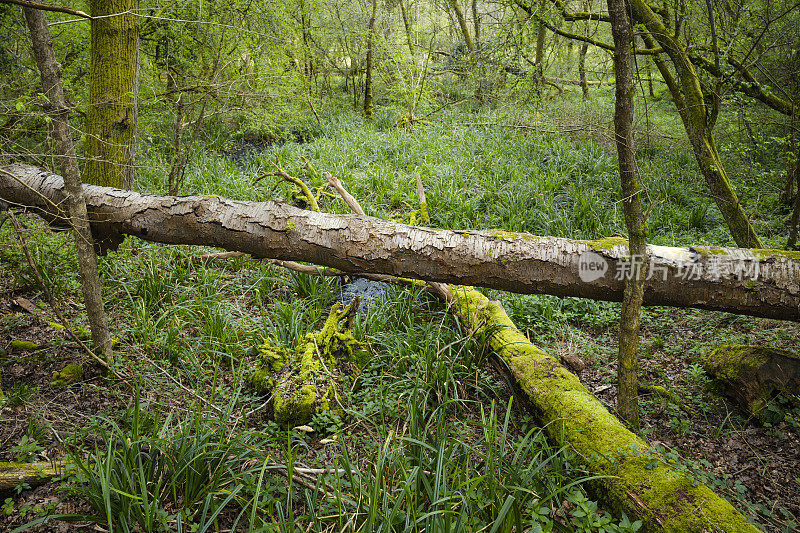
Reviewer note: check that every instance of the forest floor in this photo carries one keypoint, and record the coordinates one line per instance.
(189, 333)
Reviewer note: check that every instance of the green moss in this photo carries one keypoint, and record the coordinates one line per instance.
(24, 345)
(295, 407)
(290, 225)
(55, 325)
(631, 471)
(763, 254)
(729, 360)
(606, 244)
(503, 235)
(69, 375)
(304, 379)
(709, 251)
(424, 217)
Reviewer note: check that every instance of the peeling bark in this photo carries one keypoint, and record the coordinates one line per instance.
(756, 282)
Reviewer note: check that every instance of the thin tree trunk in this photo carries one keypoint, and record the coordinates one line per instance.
(476, 24)
(111, 113)
(751, 282)
(688, 97)
(58, 111)
(462, 23)
(368, 105)
(539, 60)
(628, 391)
(407, 26)
(794, 163)
(795, 212)
(582, 69)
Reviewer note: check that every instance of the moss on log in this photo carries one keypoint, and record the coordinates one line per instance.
(753, 376)
(639, 481)
(305, 380)
(13, 474)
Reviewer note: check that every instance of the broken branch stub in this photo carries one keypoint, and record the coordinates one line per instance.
(305, 380)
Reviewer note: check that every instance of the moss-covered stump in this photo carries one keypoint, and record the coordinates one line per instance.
(305, 380)
(753, 375)
(67, 376)
(13, 474)
(639, 481)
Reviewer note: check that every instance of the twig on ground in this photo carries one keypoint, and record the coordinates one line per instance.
(51, 301)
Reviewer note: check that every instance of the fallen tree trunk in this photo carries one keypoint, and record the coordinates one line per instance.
(635, 478)
(762, 283)
(13, 474)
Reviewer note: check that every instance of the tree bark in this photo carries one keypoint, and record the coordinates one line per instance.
(111, 114)
(368, 105)
(476, 24)
(462, 23)
(628, 383)
(407, 26)
(582, 69)
(539, 59)
(751, 282)
(58, 111)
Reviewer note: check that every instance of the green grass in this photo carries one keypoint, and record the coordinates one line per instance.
(429, 439)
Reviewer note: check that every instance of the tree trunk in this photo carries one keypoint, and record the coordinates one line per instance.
(58, 111)
(407, 26)
(751, 282)
(368, 106)
(582, 69)
(476, 24)
(754, 376)
(462, 23)
(539, 59)
(628, 383)
(110, 114)
(633, 478)
(688, 97)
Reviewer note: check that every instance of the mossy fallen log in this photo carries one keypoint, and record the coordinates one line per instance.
(753, 376)
(305, 380)
(636, 479)
(13, 474)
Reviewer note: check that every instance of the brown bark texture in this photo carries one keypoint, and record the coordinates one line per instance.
(751, 282)
(58, 110)
(628, 383)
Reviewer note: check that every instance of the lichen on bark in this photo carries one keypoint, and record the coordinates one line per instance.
(305, 379)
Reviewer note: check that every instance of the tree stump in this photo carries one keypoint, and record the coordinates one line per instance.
(753, 376)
